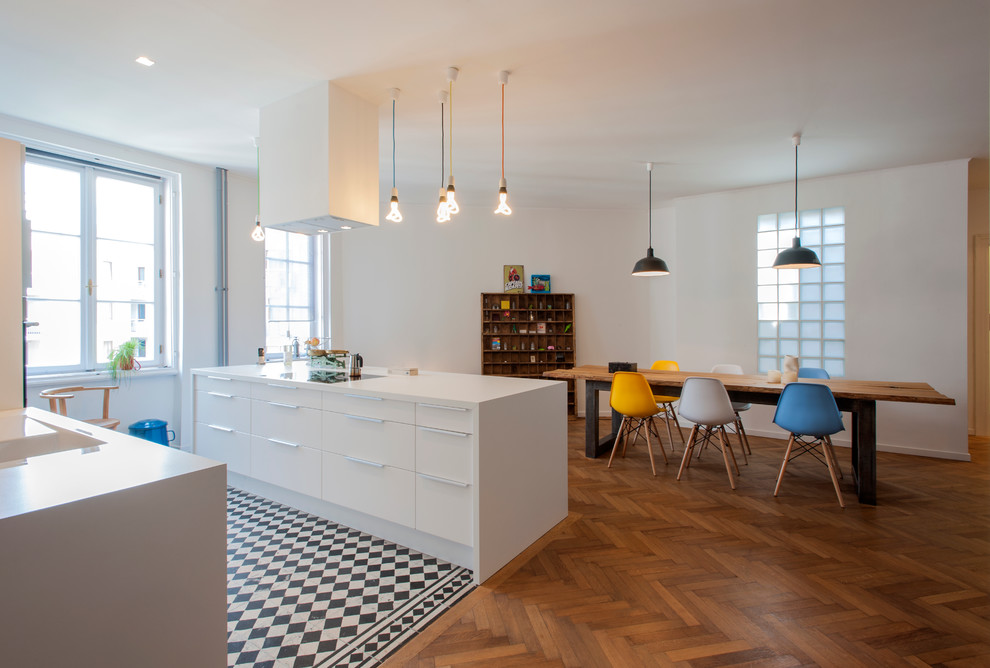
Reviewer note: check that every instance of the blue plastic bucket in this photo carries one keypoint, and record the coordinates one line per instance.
(156, 431)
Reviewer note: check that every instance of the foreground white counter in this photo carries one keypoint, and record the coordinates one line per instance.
(112, 549)
(472, 469)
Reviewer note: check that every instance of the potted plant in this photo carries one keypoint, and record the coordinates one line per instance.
(121, 362)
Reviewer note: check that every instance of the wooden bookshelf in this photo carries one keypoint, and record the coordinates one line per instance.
(534, 334)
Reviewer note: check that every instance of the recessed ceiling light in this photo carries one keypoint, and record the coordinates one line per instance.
(144, 60)
(321, 230)
(345, 227)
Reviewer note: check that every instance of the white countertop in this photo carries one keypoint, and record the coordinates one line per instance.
(83, 461)
(459, 389)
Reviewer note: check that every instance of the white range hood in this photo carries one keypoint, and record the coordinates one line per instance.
(319, 161)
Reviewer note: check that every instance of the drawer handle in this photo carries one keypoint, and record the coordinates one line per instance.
(364, 419)
(219, 428)
(221, 394)
(443, 480)
(275, 403)
(361, 396)
(365, 462)
(220, 378)
(445, 431)
(284, 387)
(446, 408)
(280, 442)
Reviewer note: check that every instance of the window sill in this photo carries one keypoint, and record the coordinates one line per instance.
(98, 376)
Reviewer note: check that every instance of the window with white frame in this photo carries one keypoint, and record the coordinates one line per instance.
(95, 233)
(802, 312)
(292, 289)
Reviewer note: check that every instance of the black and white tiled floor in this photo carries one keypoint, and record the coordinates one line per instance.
(304, 591)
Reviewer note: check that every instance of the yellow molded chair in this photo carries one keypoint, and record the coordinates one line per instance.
(56, 403)
(666, 403)
(632, 397)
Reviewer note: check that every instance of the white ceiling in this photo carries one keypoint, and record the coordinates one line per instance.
(711, 90)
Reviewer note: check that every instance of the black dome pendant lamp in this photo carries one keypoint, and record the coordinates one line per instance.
(650, 265)
(796, 257)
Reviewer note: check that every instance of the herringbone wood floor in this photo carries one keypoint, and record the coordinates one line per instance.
(653, 572)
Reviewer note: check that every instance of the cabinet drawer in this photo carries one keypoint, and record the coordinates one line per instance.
(284, 393)
(444, 509)
(454, 418)
(372, 439)
(373, 407)
(285, 422)
(293, 467)
(224, 409)
(224, 445)
(221, 383)
(444, 453)
(375, 489)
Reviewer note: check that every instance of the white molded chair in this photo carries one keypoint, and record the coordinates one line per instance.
(705, 402)
(737, 406)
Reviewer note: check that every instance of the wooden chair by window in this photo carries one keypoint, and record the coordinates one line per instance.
(56, 403)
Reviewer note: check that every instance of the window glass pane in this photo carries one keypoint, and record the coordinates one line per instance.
(767, 363)
(785, 221)
(833, 254)
(118, 322)
(117, 270)
(835, 311)
(811, 292)
(785, 238)
(835, 349)
(835, 368)
(788, 347)
(765, 258)
(788, 293)
(766, 222)
(787, 275)
(812, 311)
(768, 347)
(812, 237)
(276, 244)
(812, 218)
(834, 216)
(766, 276)
(125, 210)
(835, 292)
(813, 275)
(787, 311)
(789, 330)
(835, 235)
(835, 330)
(766, 293)
(52, 198)
(767, 329)
(55, 266)
(812, 362)
(834, 273)
(765, 240)
(767, 311)
(811, 348)
(56, 341)
(299, 246)
(811, 330)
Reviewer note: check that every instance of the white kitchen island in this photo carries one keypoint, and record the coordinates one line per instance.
(468, 468)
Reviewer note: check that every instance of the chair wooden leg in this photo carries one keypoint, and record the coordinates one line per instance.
(783, 466)
(831, 473)
(688, 447)
(656, 432)
(666, 422)
(739, 434)
(726, 451)
(618, 437)
(673, 415)
(649, 449)
(835, 460)
(742, 432)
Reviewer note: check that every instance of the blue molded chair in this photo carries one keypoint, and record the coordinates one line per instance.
(812, 372)
(809, 409)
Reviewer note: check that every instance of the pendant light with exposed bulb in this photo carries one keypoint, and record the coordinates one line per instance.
(796, 257)
(503, 193)
(650, 265)
(258, 233)
(443, 212)
(393, 214)
(452, 206)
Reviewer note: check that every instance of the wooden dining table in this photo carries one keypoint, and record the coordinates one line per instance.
(857, 397)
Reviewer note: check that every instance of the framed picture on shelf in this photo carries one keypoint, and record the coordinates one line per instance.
(539, 283)
(512, 275)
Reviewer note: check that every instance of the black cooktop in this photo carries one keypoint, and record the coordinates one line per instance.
(321, 376)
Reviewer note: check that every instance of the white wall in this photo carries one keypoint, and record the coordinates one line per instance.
(906, 304)
(410, 292)
(166, 396)
(11, 333)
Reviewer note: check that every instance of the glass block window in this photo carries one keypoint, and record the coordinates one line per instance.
(802, 312)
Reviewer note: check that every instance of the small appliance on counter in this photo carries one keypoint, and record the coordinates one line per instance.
(355, 366)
